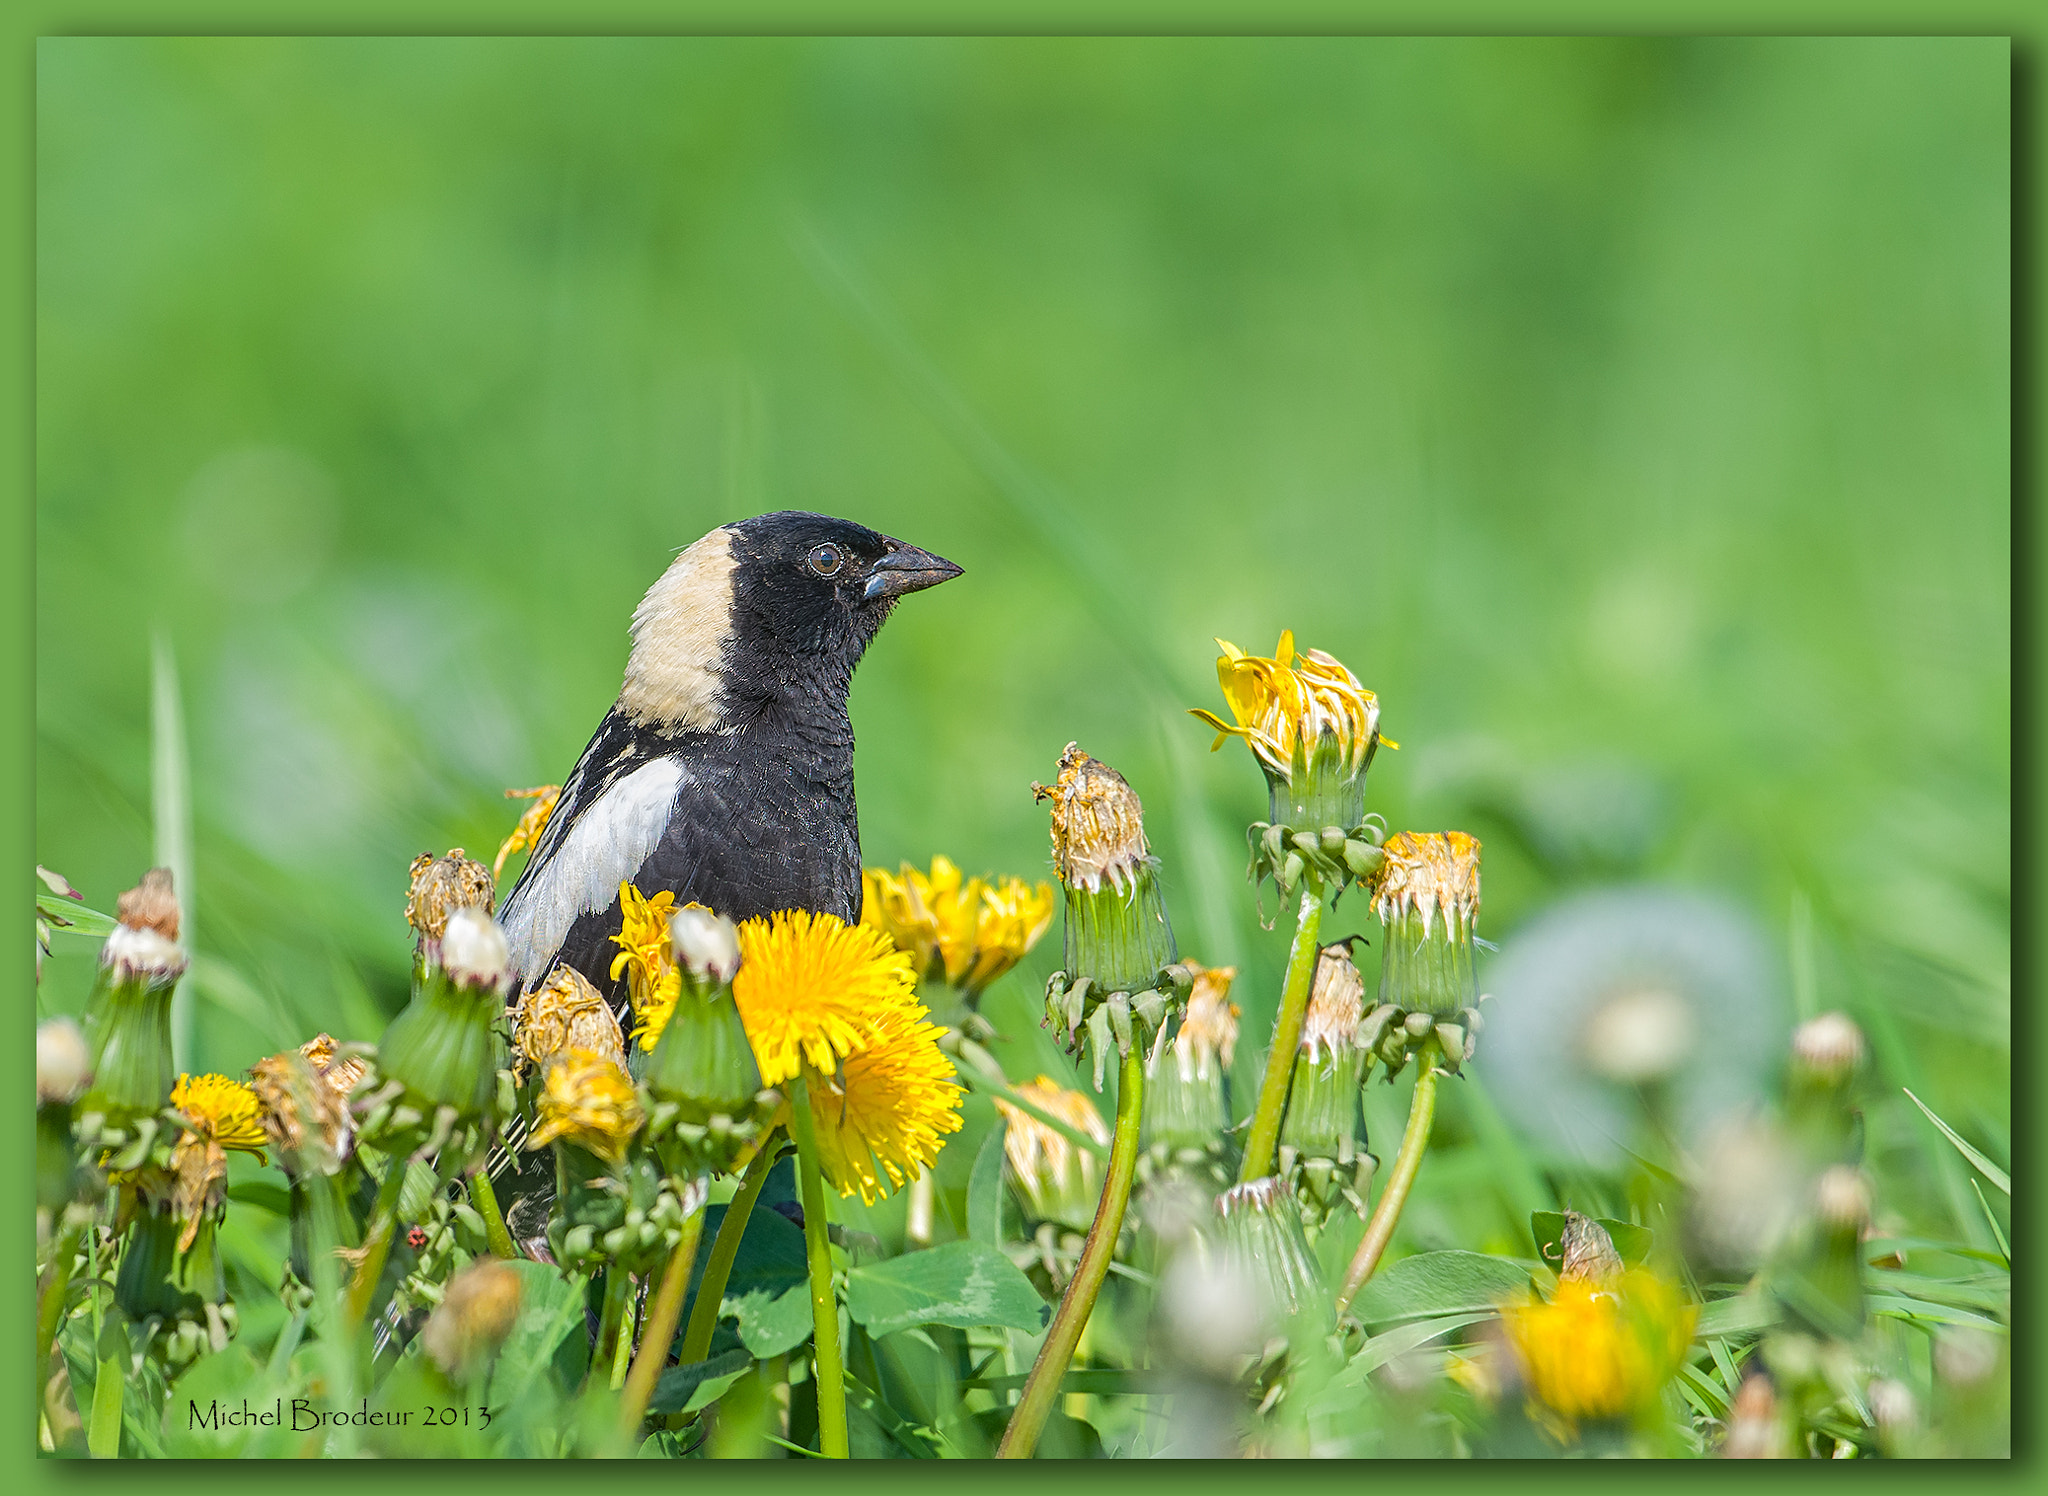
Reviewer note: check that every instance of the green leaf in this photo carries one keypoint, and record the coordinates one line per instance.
(1399, 1341)
(966, 1284)
(677, 1390)
(1984, 1166)
(1431, 1284)
(985, 1190)
(69, 917)
(772, 1323)
(1547, 1226)
(550, 1310)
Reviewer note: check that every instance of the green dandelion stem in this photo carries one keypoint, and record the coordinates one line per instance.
(486, 1201)
(1414, 1143)
(660, 1330)
(725, 1247)
(618, 1297)
(1043, 1385)
(831, 1371)
(376, 1246)
(1301, 970)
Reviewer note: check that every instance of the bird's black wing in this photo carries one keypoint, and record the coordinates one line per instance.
(613, 809)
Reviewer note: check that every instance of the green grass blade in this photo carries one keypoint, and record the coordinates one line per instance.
(1984, 1166)
(2003, 1250)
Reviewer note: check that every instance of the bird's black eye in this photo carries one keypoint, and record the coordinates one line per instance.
(826, 559)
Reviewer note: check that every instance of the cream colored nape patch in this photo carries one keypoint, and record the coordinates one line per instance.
(680, 631)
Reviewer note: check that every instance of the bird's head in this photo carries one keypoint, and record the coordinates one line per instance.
(761, 606)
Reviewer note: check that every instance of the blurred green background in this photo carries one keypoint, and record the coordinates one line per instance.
(1631, 416)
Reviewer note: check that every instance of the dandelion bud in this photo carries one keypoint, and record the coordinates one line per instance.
(444, 1049)
(128, 1016)
(1322, 1134)
(1426, 894)
(1187, 1111)
(1120, 980)
(1052, 1179)
(1828, 1049)
(1843, 1199)
(62, 1070)
(706, 944)
(1820, 1282)
(474, 1318)
(1263, 1240)
(1756, 1427)
(701, 1064)
(62, 1065)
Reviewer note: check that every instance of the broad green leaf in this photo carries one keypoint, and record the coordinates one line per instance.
(1547, 1226)
(678, 1386)
(1431, 1284)
(1984, 1166)
(772, 1323)
(985, 1190)
(550, 1310)
(966, 1284)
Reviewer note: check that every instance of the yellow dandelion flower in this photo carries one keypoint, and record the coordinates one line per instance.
(223, 1110)
(564, 1013)
(884, 1115)
(647, 956)
(587, 1099)
(1601, 1351)
(965, 931)
(531, 825)
(223, 1114)
(812, 990)
(1286, 703)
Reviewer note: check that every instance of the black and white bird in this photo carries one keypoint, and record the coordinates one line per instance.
(724, 771)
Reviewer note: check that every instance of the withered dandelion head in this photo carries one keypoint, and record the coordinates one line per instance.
(1431, 875)
(563, 1013)
(587, 1099)
(442, 885)
(325, 1056)
(1208, 1032)
(1098, 824)
(813, 990)
(1336, 1003)
(298, 1100)
(1059, 1180)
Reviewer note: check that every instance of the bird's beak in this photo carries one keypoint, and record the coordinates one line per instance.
(907, 569)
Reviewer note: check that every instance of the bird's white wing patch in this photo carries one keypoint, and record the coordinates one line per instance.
(606, 846)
